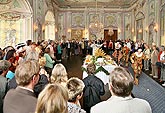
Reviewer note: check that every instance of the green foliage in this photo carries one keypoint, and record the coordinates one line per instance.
(97, 70)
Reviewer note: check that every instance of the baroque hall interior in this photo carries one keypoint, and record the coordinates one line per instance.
(73, 31)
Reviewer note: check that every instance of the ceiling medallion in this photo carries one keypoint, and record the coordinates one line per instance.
(3, 2)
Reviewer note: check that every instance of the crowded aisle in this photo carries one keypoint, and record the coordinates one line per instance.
(60, 67)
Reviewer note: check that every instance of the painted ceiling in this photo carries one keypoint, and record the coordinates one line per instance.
(92, 3)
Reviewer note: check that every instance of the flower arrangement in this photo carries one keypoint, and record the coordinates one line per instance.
(100, 59)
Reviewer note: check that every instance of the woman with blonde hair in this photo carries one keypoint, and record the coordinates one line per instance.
(75, 88)
(53, 99)
(59, 75)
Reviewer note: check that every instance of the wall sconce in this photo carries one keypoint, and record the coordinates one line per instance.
(119, 31)
(43, 27)
(86, 31)
(146, 29)
(56, 30)
(132, 30)
(156, 27)
(35, 27)
(69, 30)
(140, 30)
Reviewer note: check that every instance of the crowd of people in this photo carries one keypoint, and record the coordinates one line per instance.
(33, 79)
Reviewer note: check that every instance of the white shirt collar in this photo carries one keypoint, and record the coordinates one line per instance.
(26, 88)
(117, 98)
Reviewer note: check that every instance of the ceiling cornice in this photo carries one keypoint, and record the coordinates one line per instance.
(101, 3)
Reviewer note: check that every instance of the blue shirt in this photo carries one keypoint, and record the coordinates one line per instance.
(10, 75)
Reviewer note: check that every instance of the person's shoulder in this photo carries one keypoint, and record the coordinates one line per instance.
(141, 101)
(96, 108)
(98, 79)
(3, 79)
(142, 104)
(103, 103)
(45, 55)
(73, 108)
(10, 92)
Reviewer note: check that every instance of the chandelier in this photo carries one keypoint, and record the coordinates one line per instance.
(95, 26)
(110, 31)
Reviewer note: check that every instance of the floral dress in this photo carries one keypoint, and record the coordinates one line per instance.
(74, 108)
(137, 65)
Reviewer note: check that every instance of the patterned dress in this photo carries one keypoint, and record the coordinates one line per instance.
(137, 65)
(74, 108)
(125, 51)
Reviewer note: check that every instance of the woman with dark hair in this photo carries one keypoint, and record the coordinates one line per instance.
(1, 54)
(49, 62)
(5, 50)
(11, 57)
(94, 88)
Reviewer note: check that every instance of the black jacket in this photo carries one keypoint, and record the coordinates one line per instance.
(94, 88)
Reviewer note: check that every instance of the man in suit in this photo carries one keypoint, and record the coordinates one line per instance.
(121, 85)
(22, 99)
(4, 67)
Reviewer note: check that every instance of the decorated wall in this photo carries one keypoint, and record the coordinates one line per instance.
(162, 22)
(15, 22)
(80, 20)
(139, 22)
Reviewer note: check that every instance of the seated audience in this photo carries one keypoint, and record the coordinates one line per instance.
(121, 85)
(75, 88)
(4, 67)
(22, 99)
(53, 99)
(94, 88)
(59, 75)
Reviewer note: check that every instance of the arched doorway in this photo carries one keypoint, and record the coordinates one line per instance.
(15, 22)
(49, 26)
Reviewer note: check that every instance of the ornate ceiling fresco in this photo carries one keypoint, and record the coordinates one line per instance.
(13, 10)
(5, 1)
(92, 3)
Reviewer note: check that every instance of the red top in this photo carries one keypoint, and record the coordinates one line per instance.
(159, 55)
